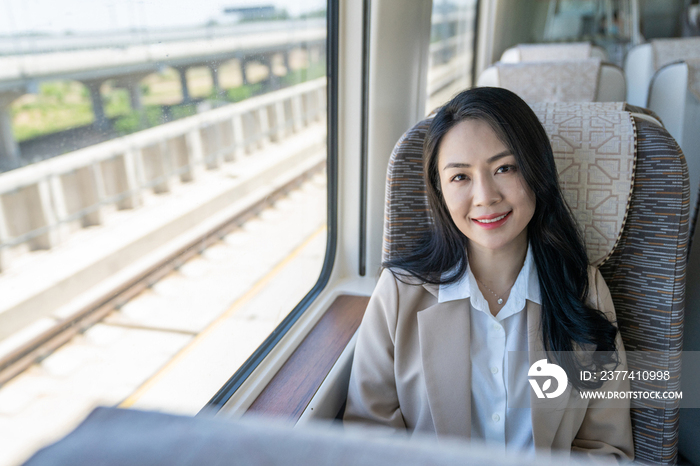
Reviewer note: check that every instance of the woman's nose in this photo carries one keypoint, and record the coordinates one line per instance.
(486, 191)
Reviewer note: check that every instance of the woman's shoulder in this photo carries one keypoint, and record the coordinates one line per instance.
(596, 282)
(404, 282)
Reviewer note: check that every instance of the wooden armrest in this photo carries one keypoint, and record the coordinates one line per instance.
(291, 389)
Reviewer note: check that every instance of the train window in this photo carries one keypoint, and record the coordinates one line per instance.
(163, 199)
(452, 41)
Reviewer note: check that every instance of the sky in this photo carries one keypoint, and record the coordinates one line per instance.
(19, 16)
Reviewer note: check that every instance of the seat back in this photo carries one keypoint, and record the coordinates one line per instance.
(553, 52)
(562, 81)
(672, 98)
(639, 69)
(642, 61)
(649, 300)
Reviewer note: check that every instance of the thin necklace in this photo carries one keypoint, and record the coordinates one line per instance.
(499, 299)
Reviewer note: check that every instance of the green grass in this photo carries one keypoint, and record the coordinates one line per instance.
(133, 121)
(305, 74)
(236, 94)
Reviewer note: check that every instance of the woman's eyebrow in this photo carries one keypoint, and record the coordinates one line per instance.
(492, 159)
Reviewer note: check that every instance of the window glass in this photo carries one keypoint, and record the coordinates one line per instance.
(608, 24)
(452, 43)
(162, 199)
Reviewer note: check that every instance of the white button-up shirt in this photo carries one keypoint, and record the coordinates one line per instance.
(492, 337)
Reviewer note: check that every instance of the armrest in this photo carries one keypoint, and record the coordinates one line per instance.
(292, 388)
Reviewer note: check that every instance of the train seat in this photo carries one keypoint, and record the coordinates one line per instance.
(674, 95)
(553, 52)
(649, 300)
(642, 61)
(588, 80)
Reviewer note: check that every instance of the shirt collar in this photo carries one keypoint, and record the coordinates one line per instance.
(526, 287)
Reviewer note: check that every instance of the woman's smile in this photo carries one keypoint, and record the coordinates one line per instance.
(492, 221)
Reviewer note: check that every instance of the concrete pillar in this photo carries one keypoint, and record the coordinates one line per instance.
(98, 110)
(194, 145)
(297, 113)
(43, 216)
(128, 184)
(272, 80)
(155, 168)
(180, 157)
(226, 141)
(285, 58)
(214, 69)
(244, 76)
(134, 89)
(262, 116)
(93, 192)
(183, 84)
(238, 136)
(132, 83)
(278, 121)
(9, 149)
(4, 237)
(209, 137)
(60, 208)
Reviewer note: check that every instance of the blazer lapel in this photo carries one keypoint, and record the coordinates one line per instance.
(443, 331)
(546, 413)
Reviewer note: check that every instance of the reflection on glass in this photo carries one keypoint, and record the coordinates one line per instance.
(611, 24)
(131, 131)
(451, 50)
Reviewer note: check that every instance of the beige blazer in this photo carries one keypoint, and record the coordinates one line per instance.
(412, 371)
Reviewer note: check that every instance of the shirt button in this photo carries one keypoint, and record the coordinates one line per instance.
(496, 418)
(494, 370)
(496, 327)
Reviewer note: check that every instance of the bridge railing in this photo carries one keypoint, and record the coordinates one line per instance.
(40, 204)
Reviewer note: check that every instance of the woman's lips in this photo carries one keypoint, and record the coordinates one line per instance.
(489, 222)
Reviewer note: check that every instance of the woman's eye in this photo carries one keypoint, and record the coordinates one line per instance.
(459, 177)
(506, 169)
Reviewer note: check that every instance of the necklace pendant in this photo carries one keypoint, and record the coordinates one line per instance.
(500, 301)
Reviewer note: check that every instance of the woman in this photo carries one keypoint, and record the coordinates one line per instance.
(503, 270)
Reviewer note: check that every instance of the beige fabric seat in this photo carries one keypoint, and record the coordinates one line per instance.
(553, 52)
(587, 80)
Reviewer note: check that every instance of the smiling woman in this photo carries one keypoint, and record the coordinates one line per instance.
(504, 247)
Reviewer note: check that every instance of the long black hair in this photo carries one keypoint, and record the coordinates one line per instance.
(440, 257)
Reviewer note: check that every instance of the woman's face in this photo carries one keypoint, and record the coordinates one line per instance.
(482, 186)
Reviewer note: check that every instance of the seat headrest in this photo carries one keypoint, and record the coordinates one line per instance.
(554, 52)
(594, 149)
(673, 50)
(553, 81)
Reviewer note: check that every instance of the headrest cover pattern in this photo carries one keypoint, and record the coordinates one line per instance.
(595, 153)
